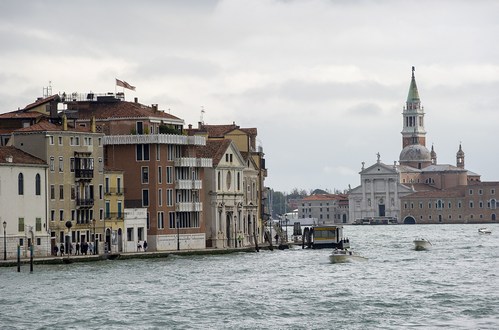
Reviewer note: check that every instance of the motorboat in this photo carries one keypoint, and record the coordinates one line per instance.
(345, 255)
(422, 244)
(484, 230)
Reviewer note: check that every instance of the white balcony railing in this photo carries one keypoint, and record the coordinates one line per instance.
(193, 162)
(189, 207)
(154, 139)
(188, 184)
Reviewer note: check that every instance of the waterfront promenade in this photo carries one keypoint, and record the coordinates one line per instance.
(128, 255)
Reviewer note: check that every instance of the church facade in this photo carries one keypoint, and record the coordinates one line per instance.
(419, 189)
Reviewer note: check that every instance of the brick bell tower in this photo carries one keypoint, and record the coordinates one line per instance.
(413, 131)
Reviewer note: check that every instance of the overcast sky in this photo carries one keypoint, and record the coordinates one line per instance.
(324, 82)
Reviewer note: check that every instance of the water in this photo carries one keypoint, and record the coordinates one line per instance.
(454, 285)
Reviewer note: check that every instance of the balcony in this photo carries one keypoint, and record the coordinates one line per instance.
(189, 207)
(114, 191)
(84, 173)
(114, 215)
(85, 202)
(193, 162)
(188, 184)
(155, 139)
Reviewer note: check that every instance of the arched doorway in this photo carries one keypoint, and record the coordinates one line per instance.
(409, 220)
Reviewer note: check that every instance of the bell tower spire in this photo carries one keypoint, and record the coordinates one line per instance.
(413, 131)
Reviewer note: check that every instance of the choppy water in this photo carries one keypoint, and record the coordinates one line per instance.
(455, 285)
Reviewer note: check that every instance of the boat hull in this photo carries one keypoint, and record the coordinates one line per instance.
(421, 245)
(345, 256)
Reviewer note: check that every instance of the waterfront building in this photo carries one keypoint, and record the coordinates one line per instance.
(323, 209)
(114, 214)
(23, 204)
(75, 178)
(161, 170)
(419, 189)
(231, 191)
(254, 174)
(136, 230)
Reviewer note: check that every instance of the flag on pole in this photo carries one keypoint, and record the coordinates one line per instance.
(124, 84)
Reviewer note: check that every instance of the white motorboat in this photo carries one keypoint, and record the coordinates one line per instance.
(345, 255)
(422, 244)
(484, 231)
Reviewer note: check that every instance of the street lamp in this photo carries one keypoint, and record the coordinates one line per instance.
(4, 241)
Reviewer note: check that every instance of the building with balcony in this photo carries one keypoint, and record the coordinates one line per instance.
(23, 204)
(255, 170)
(75, 177)
(114, 214)
(159, 164)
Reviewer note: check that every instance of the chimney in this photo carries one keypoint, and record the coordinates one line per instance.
(64, 122)
(9, 159)
(154, 107)
(136, 100)
(92, 125)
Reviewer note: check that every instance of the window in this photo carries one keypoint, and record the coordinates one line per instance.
(158, 151)
(38, 185)
(61, 192)
(169, 174)
(471, 191)
(51, 164)
(145, 197)
(71, 164)
(171, 218)
(20, 225)
(169, 197)
(20, 184)
(106, 182)
(140, 233)
(38, 224)
(73, 192)
(145, 174)
(60, 140)
(52, 215)
(161, 220)
(61, 164)
(160, 197)
(160, 174)
(61, 215)
(120, 209)
(51, 140)
(101, 192)
(118, 186)
(129, 234)
(471, 204)
(101, 165)
(142, 152)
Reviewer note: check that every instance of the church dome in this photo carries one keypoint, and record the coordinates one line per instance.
(415, 153)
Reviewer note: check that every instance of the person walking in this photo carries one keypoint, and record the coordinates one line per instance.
(62, 249)
(145, 246)
(77, 252)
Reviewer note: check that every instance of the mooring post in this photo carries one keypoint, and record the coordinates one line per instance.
(31, 258)
(18, 258)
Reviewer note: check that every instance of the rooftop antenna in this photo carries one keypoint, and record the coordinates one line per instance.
(47, 91)
(202, 113)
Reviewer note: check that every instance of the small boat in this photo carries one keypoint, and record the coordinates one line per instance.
(484, 230)
(345, 255)
(422, 244)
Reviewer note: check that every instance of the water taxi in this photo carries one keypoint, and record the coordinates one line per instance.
(422, 244)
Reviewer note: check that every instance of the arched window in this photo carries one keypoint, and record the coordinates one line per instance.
(38, 187)
(20, 184)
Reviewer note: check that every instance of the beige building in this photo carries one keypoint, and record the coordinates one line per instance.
(114, 205)
(325, 209)
(255, 172)
(75, 178)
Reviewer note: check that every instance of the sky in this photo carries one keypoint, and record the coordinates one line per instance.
(323, 81)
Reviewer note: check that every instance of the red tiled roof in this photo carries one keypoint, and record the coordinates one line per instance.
(323, 197)
(20, 114)
(41, 101)
(18, 157)
(118, 109)
(219, 131)
(214, 149)
(45, 126)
